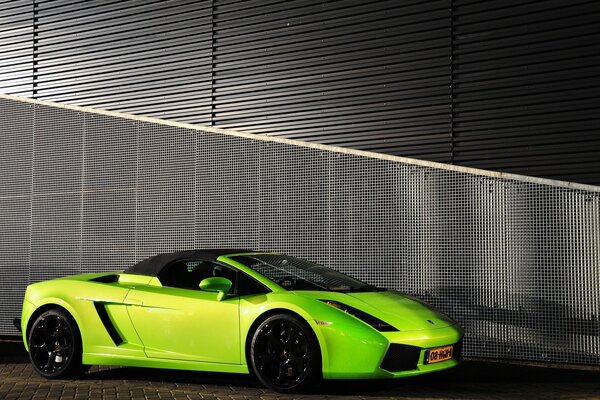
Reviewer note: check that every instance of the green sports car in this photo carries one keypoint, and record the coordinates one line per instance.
(286, 320)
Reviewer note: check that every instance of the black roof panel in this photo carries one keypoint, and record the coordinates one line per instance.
(153, 265)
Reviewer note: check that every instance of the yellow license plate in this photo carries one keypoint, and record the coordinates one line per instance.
(438, 355)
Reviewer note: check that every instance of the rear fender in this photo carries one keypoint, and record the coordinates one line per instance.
(30, 308)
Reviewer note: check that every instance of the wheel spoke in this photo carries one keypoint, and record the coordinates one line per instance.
(63, 339)
(298, 363)
(59, 327)
(50, 363)
(39, 347)
(264, 359)
(63, 331)
(39, 350)
(282, 373)
(292, 336)
(45, 328)
(273, 342)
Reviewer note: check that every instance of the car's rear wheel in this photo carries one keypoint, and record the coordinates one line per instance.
(55, 345)
(284, 354)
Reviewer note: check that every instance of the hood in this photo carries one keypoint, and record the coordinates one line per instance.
(403, 312)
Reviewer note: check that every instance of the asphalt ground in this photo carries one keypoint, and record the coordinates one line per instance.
(473, 379)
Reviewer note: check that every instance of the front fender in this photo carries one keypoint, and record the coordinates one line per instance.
(345, 342)
(254, 307)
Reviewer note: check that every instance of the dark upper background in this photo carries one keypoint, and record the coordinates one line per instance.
(508, 85)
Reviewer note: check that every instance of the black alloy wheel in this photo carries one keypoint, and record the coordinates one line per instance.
(55, 345)
(285, 355)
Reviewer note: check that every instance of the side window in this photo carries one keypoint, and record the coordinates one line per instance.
(187, 274)
(247, 285)
(222, 271)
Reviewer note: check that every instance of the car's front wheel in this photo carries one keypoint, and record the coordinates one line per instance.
(284, 354)
(55, 345)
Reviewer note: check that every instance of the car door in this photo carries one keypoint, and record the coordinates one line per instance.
(180, 321)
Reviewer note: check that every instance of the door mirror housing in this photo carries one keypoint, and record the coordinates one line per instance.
(216, 284)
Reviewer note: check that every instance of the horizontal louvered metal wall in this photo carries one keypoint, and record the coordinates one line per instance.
(371, 75)
(507, 85)
(143, 57)
(16, 47)
(527, 87)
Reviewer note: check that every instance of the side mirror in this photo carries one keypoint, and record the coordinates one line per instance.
(216, 284)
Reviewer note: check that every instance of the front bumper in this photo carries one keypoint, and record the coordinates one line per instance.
(405, 360)
(368, 355)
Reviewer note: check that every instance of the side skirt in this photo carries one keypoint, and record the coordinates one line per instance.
(107, 359)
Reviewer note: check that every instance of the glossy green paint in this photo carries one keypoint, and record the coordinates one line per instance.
(216, 284)
(185, 324)
(167, 327)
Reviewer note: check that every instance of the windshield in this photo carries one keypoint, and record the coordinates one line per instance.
(296, 274)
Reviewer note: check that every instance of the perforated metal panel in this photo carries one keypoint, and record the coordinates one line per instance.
(16, 146)
(515, 260)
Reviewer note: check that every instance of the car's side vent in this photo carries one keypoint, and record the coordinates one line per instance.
(108, 325)
(401, 357)
(106, 279)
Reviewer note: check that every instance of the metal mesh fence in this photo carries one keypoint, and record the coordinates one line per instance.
(515, 261)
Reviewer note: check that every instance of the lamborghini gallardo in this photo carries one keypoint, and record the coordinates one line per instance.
(287, 321)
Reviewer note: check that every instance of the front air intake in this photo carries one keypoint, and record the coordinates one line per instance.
(401, 357)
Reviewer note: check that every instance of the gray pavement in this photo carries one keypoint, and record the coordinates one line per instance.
(471, 380)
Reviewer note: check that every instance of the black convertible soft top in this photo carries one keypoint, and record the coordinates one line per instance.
(153, 265)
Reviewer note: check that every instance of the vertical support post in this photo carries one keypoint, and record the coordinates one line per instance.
(35, 50)
(452, 159)
(213, 63)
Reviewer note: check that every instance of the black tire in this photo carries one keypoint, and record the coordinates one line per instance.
(55, 345)
(285, 355)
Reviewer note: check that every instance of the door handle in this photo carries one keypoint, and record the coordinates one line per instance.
(134, 302)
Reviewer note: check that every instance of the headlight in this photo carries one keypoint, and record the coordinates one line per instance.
(376, 323)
